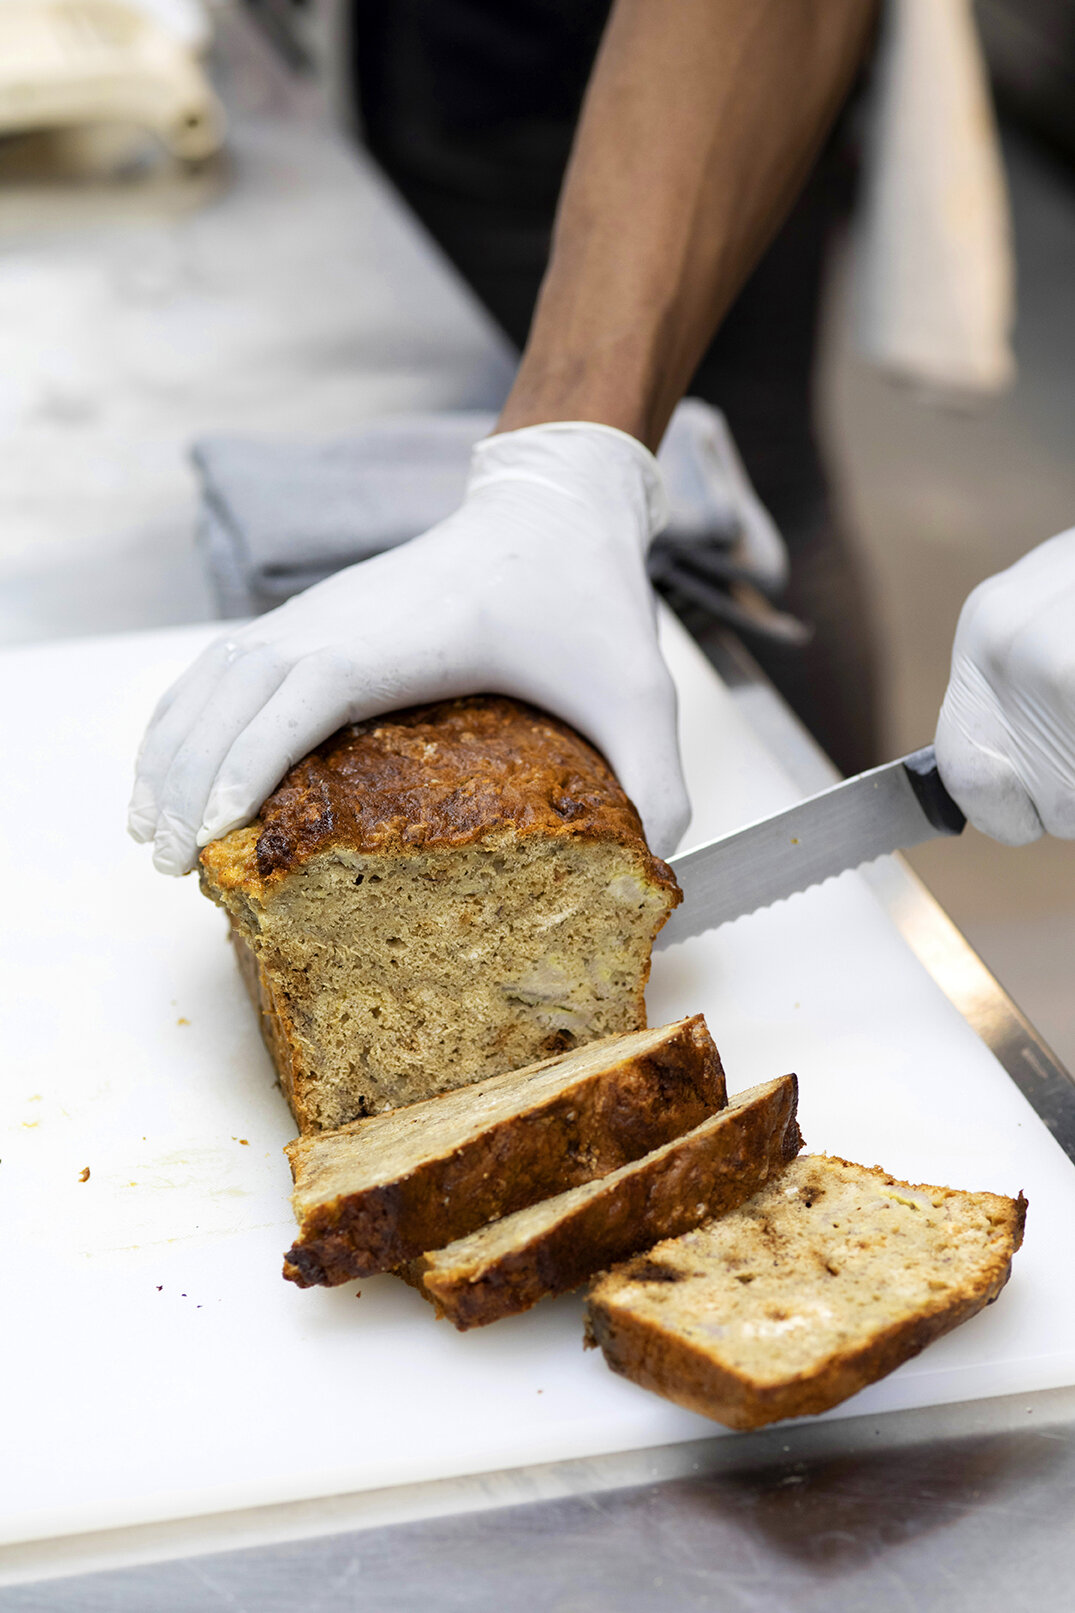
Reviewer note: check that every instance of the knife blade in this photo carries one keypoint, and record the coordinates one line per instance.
(887, 809)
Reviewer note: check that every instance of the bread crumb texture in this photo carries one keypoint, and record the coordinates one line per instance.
(827, 1279)
(437, 898)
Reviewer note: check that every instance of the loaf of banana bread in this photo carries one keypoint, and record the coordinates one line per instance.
(437, 897)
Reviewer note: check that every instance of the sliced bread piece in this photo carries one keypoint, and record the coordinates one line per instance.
(556, 1245)
(383, 1190)
(827, 1279)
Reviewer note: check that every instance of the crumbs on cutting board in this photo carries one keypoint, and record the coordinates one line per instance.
(182, 1021)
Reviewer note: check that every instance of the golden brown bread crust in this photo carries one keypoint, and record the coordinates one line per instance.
(584, 1131)
(441, 775)
(706, 1173)
(662, 1360)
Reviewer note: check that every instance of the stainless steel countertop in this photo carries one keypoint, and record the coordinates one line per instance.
(945, 1509)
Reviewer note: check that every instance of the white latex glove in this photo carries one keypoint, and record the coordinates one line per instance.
(536, 587)
(1006, 736)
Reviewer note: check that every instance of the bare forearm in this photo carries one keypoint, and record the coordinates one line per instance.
(700, 123)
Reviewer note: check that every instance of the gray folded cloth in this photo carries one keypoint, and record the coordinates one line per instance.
(279, 516)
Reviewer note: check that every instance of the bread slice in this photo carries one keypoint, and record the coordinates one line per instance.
(827, 1279)
(437, 897)
(383, 1190)
(556, 1245)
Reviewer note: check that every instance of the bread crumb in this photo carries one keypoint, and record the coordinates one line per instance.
(182, 1021)
(84, 1174)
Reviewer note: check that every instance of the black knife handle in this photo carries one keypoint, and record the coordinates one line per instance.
(933, 798)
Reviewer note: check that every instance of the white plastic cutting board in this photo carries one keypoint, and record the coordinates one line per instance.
(155, 1363)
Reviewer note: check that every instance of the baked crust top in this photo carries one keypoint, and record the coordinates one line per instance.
(444, 775)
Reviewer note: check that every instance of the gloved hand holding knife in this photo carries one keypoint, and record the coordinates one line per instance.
(1004, 758)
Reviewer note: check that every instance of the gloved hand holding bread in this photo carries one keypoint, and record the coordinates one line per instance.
(535, 588)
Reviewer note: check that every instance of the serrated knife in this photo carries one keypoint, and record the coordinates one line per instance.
(887, 809)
